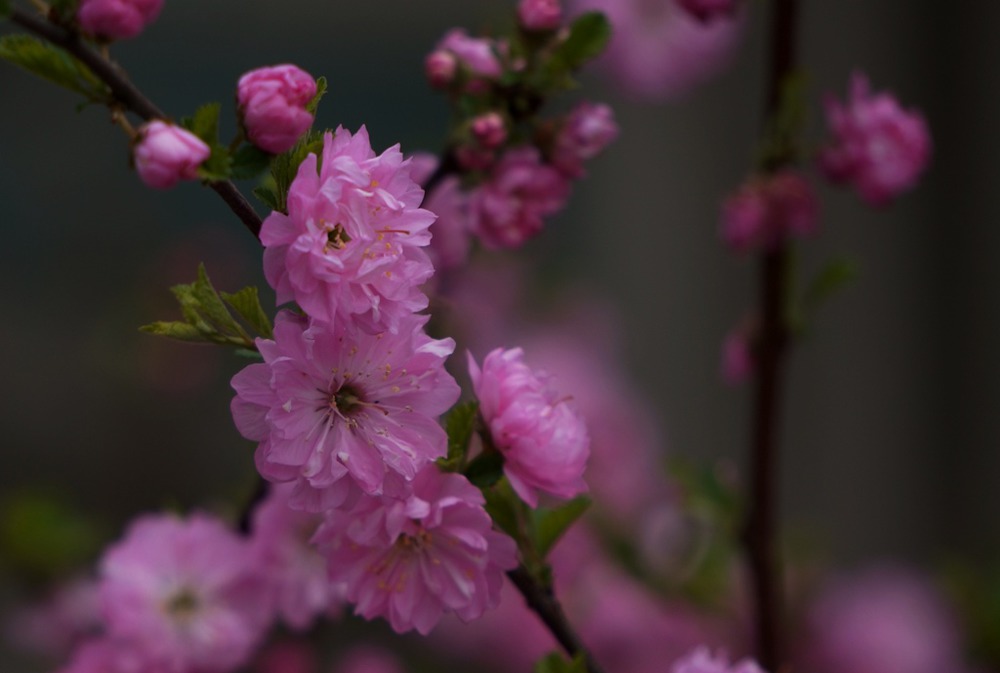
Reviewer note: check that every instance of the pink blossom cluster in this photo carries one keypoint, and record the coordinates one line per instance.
(345, 405)
(769, 209)
(876, 146)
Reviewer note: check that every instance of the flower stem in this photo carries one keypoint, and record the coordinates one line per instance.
(127, 96)
(760, 533)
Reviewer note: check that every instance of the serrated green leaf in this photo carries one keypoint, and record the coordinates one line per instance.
(555, 662)
(549, 525)
(181, 331)
(836, 275)
(313, 105)
(285, 167)
(212, 308)
(266, 195)
(53, 64)
(485, 469)
(249, 162)
(205, 122)
(460, 424)
(246, 303)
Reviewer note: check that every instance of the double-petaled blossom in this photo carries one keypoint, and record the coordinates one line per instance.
(165, 154)
(587, 130)
(184, 595)
(352, 243)
(411, 560)
(296, 572)
(510, 206)
(659, 50)
(117, 19)
(272, 105)
(337, 410)
(769, 209)
(878, 147)
(543, 439)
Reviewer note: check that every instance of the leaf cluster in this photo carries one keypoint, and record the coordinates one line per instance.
(53, 64)
(215, 317)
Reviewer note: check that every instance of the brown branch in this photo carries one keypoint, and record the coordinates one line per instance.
(760, 533)
(543, 602)
(128, 96)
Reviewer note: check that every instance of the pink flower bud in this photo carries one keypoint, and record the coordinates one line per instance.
(166, 154)
(490, 130)
(117, 19)
(273, 106)
(586, 132)
(767, 210)
(440, 67)
(707, 10)
(539, 14)
(477, 54)
(877, 146)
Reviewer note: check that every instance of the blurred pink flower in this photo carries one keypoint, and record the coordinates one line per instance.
(117, 19)
(296, 571)
(877, 146)
(451, 232)
(412, 560)
(368, 659)
(542, 437)
(272, 105)
(184, 594)
(352, 243)
(539, 14)
(54, 625)
(478, 55)
(586, 131)
(287, 656)
(767, 210)
(106, 655)
(335, 408)
(708, 10)
(881, 620)
(658, 50)
(165, 154)
(440, 67)
(519, 193)
(701, 660)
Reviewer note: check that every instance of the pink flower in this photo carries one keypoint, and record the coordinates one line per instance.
(539, 14)
(767, 210)
(543, 440)
(184, 594)
(440, 67)
(519, 193)
(352, 242)
(294, 568)
(882, 620)
(588, 129)
(59, 621)
(106, 655)
(658, 50)
(490, 130)
(166, 154)
(336, 409)
(707, 10)
(702, 661)
(412, 560)
(272, 105)
(117, 19)
(877, 146)
(452, 230)
(478, 55)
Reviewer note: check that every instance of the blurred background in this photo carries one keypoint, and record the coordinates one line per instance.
(891, 433)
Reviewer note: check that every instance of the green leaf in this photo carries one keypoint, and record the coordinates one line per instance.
(485, 469)
(181, 331)
(266, 195)
(460, 424)
(836, 275)
(555, 662)
(249, 162)
(211, 306)
(313, 105)
(285, 166)
(549, 525)
(588, 36)
(53, 64)
(505, 508)
(205, 122)
(246, 303)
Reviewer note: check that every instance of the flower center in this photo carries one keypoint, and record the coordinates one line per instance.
(183, 604)
(336, 238)
(346, 400)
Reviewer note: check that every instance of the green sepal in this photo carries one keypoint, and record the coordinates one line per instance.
(460, 424)
(53, 64)
(550, 524)
(313, 105)
(246, 303)
(555, 662)
(249, 162)
(486, 469)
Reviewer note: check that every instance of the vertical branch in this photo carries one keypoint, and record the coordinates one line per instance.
(771, 348)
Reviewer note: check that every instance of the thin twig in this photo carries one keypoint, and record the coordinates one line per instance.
(544, 603)
(760, 534)
(128, 96)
